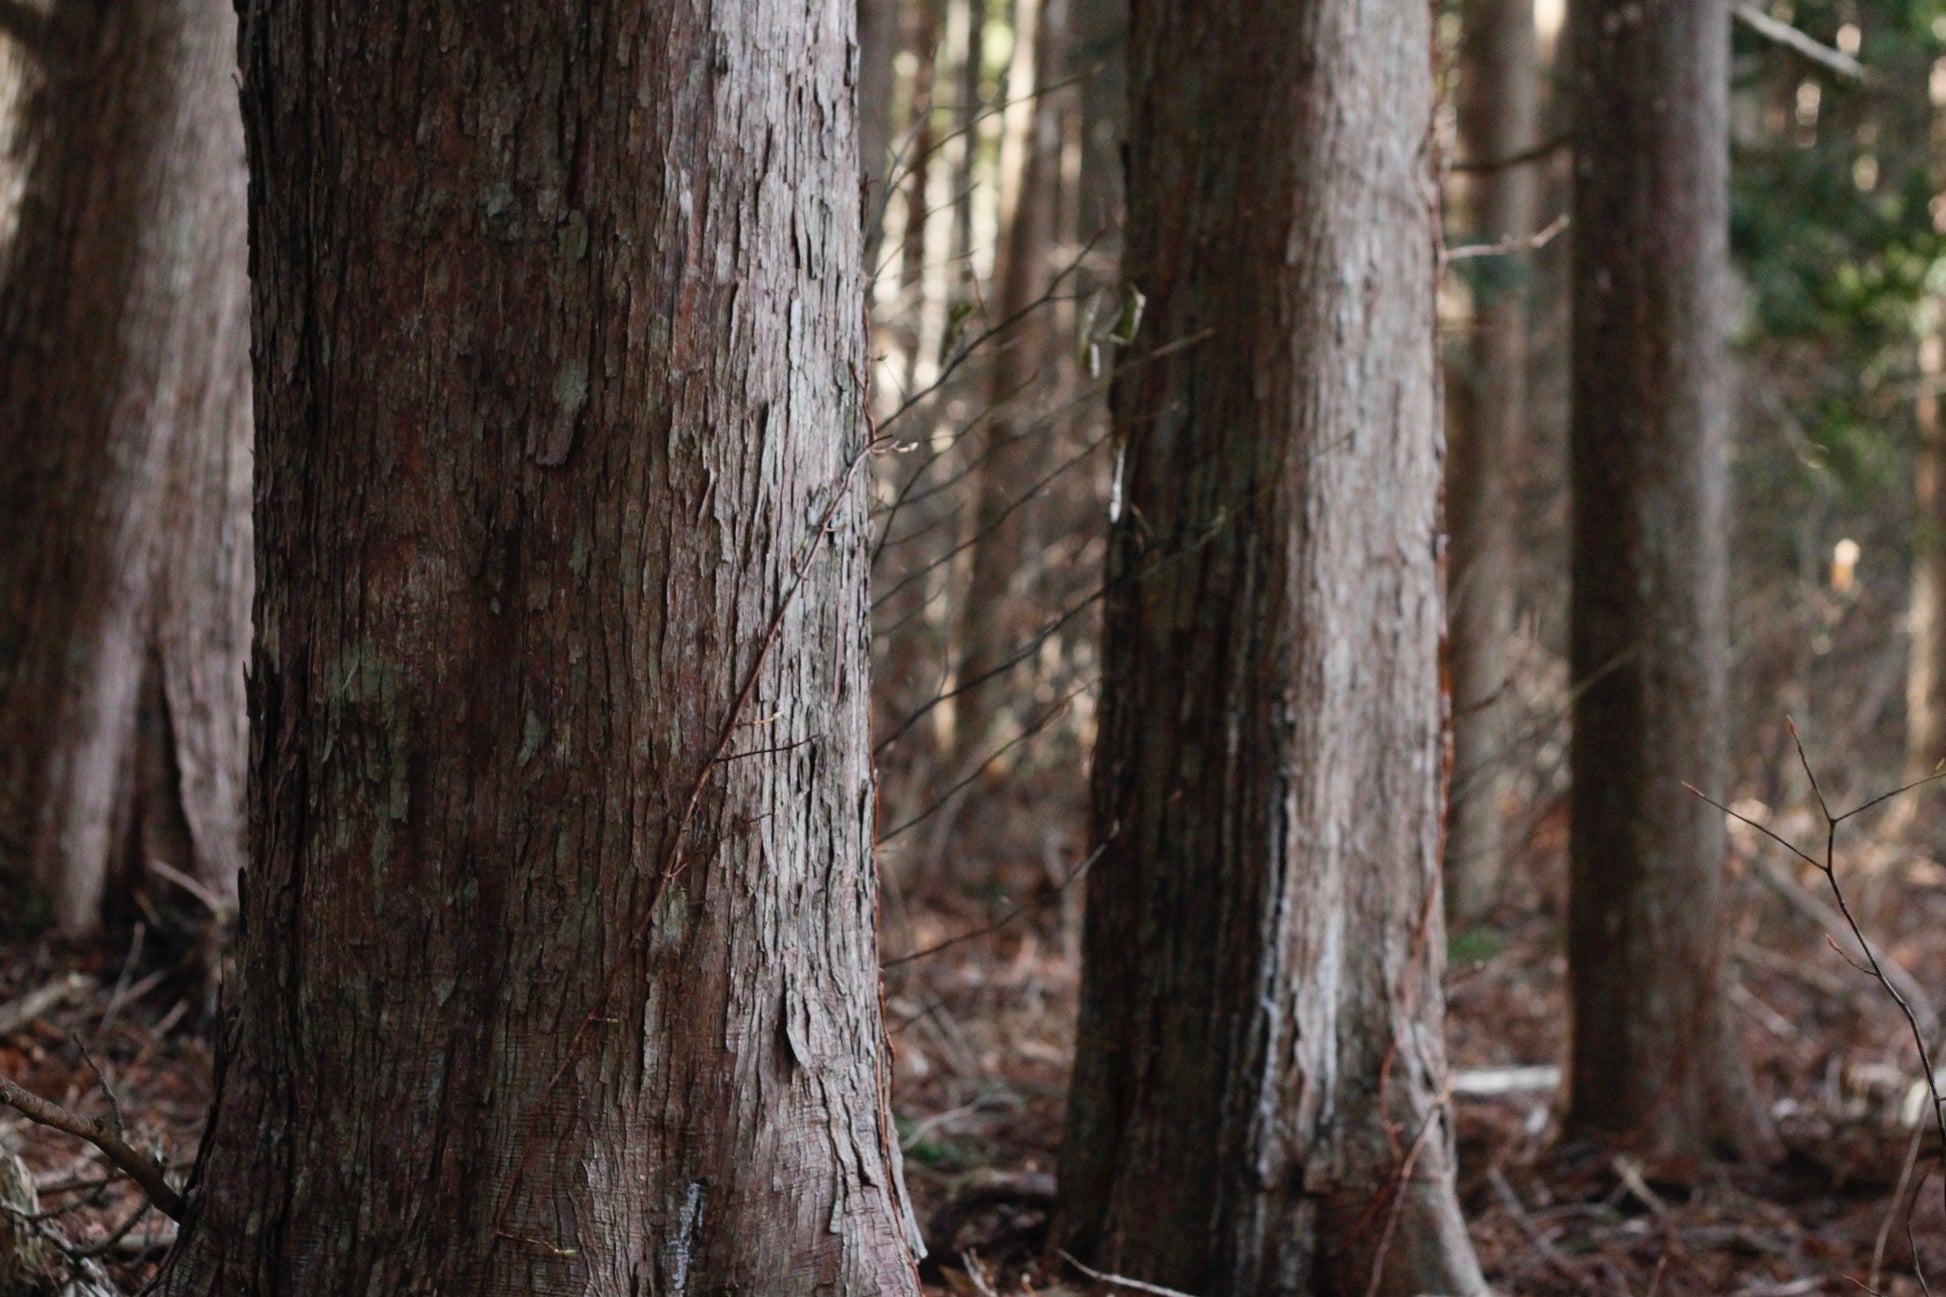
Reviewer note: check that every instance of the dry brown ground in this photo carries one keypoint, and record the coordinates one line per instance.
(982, 1032)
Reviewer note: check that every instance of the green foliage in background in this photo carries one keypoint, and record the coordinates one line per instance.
(1833, 235)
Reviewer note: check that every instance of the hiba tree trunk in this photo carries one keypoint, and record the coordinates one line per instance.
(1653, 1056)
(124, 457)
(557, 962)
(1500, 88)
(1256, 1104)
(1012, 452)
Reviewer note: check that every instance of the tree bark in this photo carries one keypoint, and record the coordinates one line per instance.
(1257, 1096)
(125, 457)
(1653, 1055)
(558, 971)
(1498, 109)
(1013, 458)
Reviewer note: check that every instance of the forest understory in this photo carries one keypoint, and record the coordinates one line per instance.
(983, 1034)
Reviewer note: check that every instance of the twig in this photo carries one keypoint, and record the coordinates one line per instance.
(1539, 151)
(216, 905)
(1872, 965)
(1025, 736)
(1118, 1280)
(1525, 1223)
(1827, 919)
(1630, 1173)
(1525, 243)
(36, 1003)
(1797, 42)
(144, 1171)
(1898, 1196)
(1403, 1184)
(1073, 876)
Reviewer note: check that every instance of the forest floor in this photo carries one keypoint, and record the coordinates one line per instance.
(982, 1031)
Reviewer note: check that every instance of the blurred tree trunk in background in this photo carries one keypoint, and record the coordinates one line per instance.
(558, 971)
(1098, 55)
(918, 159)
(878, 47)
(1499, 105)
(1925, 735)
(970, 18)
(1925, 706)
(124, 457)
(1259, 1063)
(1012, 453)
(1654, 1056)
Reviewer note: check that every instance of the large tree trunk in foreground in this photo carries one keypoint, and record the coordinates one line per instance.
(1500, 89)
(1259, 1056)
(124, 457)
(558, 971)
(1653, 1057)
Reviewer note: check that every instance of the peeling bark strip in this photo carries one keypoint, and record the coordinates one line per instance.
(560, 364)
(1257, 1088)
(1653, 1052)
(124, 451)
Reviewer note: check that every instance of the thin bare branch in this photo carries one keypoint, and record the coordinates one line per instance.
(1070, 879)
(1487, 166)
(1121, 1281)
(1525, 243)
(145, 1171)
(1782, 33)
(1745, 820)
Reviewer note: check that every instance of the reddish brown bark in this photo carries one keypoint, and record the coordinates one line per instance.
(1653, 1055)
(124, 456)
(1259, 1062)
(557, 962)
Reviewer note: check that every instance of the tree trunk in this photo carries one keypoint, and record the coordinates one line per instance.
(1098, 56)
(1925, 736)
(1653, 1056)
(920, 148)
(557, 963)
(878, 47)
(124, 457)
(1499, 106)
(968, 114)
(1015, 434)
(1256, 1104)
